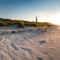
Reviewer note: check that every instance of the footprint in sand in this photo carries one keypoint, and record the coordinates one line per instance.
(13, 45)
(42, 42)
(40, 58)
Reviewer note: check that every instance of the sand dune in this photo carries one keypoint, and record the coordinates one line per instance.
(31, 45)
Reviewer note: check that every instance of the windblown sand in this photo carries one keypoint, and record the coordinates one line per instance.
(31, 45)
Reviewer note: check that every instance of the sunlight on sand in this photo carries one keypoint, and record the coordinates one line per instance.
(31, 45)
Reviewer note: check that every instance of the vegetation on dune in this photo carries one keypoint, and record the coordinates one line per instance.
(22, 24)
(2, 23)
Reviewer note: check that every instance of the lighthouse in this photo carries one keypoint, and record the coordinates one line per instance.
(36, 18)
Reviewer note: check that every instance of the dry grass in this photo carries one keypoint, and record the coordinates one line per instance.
(43, 29)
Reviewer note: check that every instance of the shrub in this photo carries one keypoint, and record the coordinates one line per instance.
(8, 23)
(26, 24)
(14, 22)
(20, 24)
(33, 24)
(2, 23)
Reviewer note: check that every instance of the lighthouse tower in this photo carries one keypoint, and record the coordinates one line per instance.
(36, 18)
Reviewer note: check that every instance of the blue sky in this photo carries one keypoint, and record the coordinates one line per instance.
(45, 10)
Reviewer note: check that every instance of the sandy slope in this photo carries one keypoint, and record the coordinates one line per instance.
(31, 45)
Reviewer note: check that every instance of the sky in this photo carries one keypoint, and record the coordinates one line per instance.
(45, 10)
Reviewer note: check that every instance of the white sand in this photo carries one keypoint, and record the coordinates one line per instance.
(31, 45)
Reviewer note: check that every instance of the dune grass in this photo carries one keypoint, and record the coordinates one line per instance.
(22, 23)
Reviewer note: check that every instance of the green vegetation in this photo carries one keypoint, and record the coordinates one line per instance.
(22, 24)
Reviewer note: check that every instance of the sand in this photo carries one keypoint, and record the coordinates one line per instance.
(31, 44)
